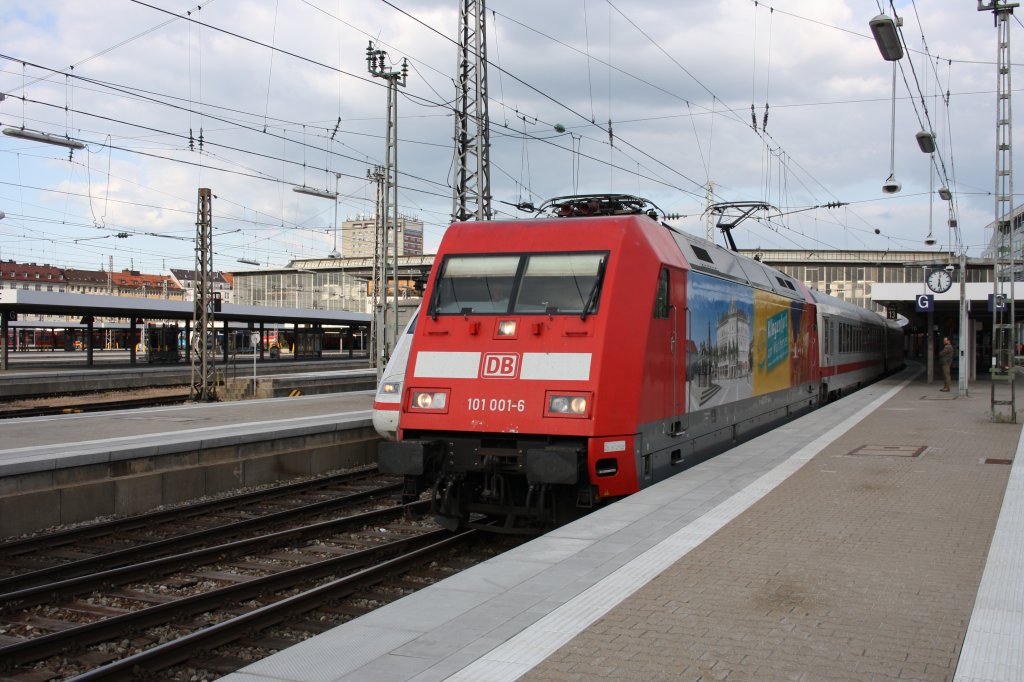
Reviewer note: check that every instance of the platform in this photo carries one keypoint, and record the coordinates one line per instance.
(855, 543)
(77, 467)
(29, 380)
(128, 433)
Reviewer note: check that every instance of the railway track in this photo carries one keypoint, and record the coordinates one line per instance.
(231, 643)
(240, 577)
(94, 406)
(49, 557)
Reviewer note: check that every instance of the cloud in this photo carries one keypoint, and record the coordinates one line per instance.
(677, 82)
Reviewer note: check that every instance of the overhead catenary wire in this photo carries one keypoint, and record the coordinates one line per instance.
(389, 3)
(780, 155)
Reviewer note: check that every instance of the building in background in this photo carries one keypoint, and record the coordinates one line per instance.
(357, 237)
(31, 277)
(186, 281)
(343, 284)
(1008, 246)
(328, 283)
(849, 275)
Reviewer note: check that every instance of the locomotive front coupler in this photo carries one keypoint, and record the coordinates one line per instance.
(446, 501)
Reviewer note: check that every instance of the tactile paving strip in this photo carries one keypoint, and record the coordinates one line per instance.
(889, 450)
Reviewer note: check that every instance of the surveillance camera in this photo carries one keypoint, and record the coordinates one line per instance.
(890, 186)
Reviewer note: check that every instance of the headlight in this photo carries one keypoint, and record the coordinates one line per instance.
(507, 328)
(391, 387)
(571, 405)
(429, 400)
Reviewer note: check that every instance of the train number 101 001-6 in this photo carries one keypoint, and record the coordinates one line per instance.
(495, 405)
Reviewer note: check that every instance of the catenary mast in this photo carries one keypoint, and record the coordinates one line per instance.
(472, 169)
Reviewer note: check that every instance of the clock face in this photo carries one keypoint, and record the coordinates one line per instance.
(939, 281)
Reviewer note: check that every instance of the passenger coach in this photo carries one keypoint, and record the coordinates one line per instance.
(559, 363)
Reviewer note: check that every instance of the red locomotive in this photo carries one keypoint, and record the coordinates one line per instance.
(560, 363)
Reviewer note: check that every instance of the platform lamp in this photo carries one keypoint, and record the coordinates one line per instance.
(926, 141)
(334, 250)
(314, 192)
(324, 194)
(46, 138)
(883, 28)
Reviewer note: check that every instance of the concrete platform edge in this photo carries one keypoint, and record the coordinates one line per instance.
(41, 458)
(524, 651)
(992, 647)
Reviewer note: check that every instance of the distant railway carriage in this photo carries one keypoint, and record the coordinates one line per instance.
(389, 391)
(560, 363)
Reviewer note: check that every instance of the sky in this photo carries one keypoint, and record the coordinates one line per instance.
(251, 98)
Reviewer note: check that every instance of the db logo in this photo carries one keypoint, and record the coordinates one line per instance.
(500, 366)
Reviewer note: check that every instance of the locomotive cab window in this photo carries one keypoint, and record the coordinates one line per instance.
(475, 284)
(661, 302)
(561, 283)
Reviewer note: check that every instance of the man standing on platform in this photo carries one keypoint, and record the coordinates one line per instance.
(946, 360)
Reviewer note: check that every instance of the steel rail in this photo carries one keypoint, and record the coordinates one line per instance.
(181, 650)
(127, 404)
(59, 642)
(131, 556)
(48, 540)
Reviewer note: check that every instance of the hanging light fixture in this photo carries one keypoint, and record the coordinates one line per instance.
(891, 186)
(926, 141)
(46, 138)
(883, 28)
(314, 192)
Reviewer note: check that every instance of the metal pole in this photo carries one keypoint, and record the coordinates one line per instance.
(254, 339)
(930, 334)
(4, 360)
(378, 177)
(471, 195)
(334, 251)
(382, 338)
(203, 319)
(394, 212)
(376, 63)
(965, 340)
(1003, 335)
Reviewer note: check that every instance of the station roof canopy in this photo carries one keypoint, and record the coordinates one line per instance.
(976, 297)
(52, 303)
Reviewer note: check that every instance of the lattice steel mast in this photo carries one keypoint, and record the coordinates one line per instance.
(471, 186)
(379, 265)
(1005, 240)
(204, 334)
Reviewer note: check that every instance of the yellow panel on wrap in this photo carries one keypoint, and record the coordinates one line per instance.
(772, 343)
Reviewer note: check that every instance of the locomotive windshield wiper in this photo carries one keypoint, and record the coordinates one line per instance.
(594, 290)
(434, 295)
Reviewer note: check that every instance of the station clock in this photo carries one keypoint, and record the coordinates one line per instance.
(939, 280)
